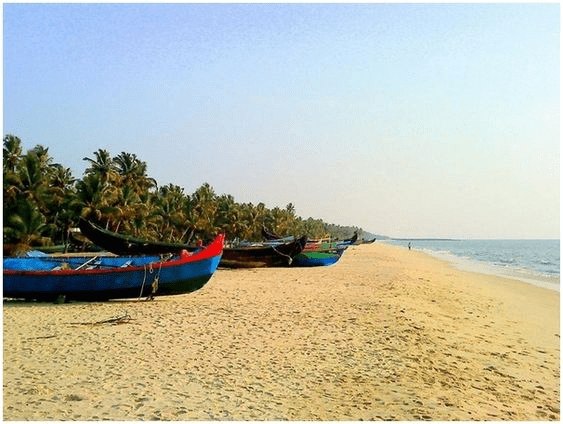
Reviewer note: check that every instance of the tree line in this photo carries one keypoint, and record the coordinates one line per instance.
(43, 202)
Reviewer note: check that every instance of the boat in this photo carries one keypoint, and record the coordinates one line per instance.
(268, 235)
(347, 242)
(99, 278)
(325, 245)
(318, 258)
(271, 237)
(320, 252)
(323, 253)
(121, 244)
(264, 255)
(322, 244)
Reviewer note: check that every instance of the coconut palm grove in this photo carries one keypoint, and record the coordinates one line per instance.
(43, 203)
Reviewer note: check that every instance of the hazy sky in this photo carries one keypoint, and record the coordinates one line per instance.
(409, 120)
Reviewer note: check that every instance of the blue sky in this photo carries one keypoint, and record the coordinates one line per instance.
(409, 120)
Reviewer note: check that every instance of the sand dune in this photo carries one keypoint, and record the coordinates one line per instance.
(386, 334)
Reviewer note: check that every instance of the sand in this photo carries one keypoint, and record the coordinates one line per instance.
(386, 334)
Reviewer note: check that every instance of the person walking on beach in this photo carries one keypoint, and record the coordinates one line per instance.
(409, 246)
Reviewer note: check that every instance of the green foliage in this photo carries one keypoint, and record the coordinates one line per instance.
(42, 201)
(25, 226)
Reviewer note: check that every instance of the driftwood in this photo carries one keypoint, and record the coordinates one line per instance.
(42, 337)
(114, 321)
(123, 319)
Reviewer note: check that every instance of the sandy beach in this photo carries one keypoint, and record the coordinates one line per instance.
(386, 334)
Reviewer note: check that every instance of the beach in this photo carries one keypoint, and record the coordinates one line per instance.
(385, 334)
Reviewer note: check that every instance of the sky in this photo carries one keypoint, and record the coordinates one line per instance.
(407, 120)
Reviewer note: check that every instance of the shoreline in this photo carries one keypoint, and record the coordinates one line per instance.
(385, 334)
(539, 280)
(550, 282)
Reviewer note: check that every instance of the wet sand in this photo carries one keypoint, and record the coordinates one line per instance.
(386, 334)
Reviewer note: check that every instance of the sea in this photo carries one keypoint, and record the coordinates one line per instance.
(532, 261)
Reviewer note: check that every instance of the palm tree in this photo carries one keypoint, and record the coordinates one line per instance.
(146, 224)
(254, 216)
(31, 193)
(31, 177)
(204, 207)
(171, 202)
(43, 157)
(249, 221)
(126, 207)
(61, 202)
(96, 198)
(229, 217)
(11, 177)
(102, 165)
(24, 226)
(133, 172)
(12, 153)
(283, 223)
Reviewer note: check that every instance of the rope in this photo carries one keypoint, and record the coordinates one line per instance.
(154, 285)
(144, 278)
(289, 259)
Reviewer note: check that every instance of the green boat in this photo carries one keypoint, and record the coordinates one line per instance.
(318, 258)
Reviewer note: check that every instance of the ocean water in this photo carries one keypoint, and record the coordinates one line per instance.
(533, 261)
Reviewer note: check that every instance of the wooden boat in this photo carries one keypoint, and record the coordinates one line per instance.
(242, 257)
(323, 246)
(318, 258)
(268, 235)
(347, 242)
(352, 239)
(102, 278)
(273, 239)
(323, 253)
(262, 256)
(121, 244)
(317, 252)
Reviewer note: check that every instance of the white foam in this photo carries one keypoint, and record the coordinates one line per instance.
(550, 282)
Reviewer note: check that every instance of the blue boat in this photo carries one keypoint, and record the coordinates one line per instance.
(98, 278)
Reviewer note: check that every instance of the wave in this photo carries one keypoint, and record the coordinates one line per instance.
(532, 261)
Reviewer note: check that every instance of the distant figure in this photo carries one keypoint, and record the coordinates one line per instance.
(409, 246)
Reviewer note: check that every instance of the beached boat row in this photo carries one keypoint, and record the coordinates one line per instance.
(265, 255)
(140, 268)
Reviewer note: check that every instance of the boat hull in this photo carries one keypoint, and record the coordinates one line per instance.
(265, 256)
(183, 274)
(309, 259)
(126, 245)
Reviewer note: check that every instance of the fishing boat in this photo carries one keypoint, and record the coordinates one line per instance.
(320, 252)
(318, 258)
(98, 277)
(264, 255)
(323, 253)
(325, 245)
(273, 237)
(121, 244)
